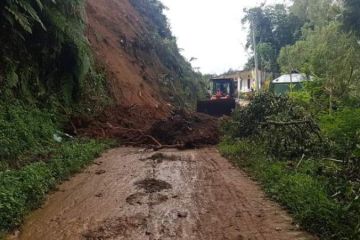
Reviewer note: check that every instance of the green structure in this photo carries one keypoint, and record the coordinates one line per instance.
(288, 82)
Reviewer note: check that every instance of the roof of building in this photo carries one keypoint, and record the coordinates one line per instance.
(291, 78)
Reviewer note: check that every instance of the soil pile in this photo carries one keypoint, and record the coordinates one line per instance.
(181, 129)
(187, 129)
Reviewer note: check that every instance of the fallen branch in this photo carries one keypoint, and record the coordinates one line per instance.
(334, 160)
(152, 138)
(141, 133)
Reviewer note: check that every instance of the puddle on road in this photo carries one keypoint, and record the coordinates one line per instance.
(137, 199)
(151, 185)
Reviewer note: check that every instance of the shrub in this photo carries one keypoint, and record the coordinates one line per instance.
(286, 129)
(343, 130)
(247, 121)
(23, 128)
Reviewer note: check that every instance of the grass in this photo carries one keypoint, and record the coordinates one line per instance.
(301, 188)
(23, 128)
(24, 189)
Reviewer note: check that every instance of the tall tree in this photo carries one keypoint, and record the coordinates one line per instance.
(316, 12)
(274, 27)
(332, 57)
(351, 16)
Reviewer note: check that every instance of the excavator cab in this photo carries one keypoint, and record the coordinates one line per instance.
(222, 101)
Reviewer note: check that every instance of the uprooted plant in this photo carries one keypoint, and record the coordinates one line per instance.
(286, 129)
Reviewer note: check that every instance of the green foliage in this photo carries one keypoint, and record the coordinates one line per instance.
(285, 128)
(278, 26)
(44, 52)
(301, 98)
(332, 57)
(267, 56)
(247, 121)
(351, 16)
(274, 28)
(22, 14)
(153, 10)
(23, 128)
(343, 130)
(315, 12)
(301, 189)
(25, 189)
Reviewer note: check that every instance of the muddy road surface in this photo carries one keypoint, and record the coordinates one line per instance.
(133, 194)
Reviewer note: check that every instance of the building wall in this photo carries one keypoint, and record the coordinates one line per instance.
(242, 78)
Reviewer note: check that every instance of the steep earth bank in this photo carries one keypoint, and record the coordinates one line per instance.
(123, 41)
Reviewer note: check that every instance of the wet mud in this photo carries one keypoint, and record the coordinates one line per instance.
(171, 194)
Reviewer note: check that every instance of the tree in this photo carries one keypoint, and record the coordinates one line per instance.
(332, 57)
(351, 16)
(315, 12)
(274, 27)
(286, 27)
(260, 23)
(267, 56)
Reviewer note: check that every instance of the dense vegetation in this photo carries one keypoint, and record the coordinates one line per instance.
(45, 59)
(46, 73)
(305, 146)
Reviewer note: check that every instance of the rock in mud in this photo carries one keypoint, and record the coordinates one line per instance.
(100, 172)
(182, 214)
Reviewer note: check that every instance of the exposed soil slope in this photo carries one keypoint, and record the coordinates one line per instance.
(132, 194)
(115, 30)
(127, 41)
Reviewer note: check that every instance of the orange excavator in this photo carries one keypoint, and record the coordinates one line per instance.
(222, 100)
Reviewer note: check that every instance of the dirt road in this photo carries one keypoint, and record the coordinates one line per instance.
(133, 194)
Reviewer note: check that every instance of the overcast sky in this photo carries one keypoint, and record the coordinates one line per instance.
(211, 31)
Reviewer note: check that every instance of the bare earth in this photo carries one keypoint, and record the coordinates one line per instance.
(193, 194)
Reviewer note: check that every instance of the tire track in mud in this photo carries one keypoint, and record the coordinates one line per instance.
(171, 194)
(167, 220)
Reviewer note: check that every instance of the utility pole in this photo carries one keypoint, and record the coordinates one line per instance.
(255, 57)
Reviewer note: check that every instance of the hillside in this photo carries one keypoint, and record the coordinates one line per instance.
(142, 62)
(71, 64)
(114, 30)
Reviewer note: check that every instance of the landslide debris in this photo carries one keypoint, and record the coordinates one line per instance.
(186, 128)
(182, 129)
